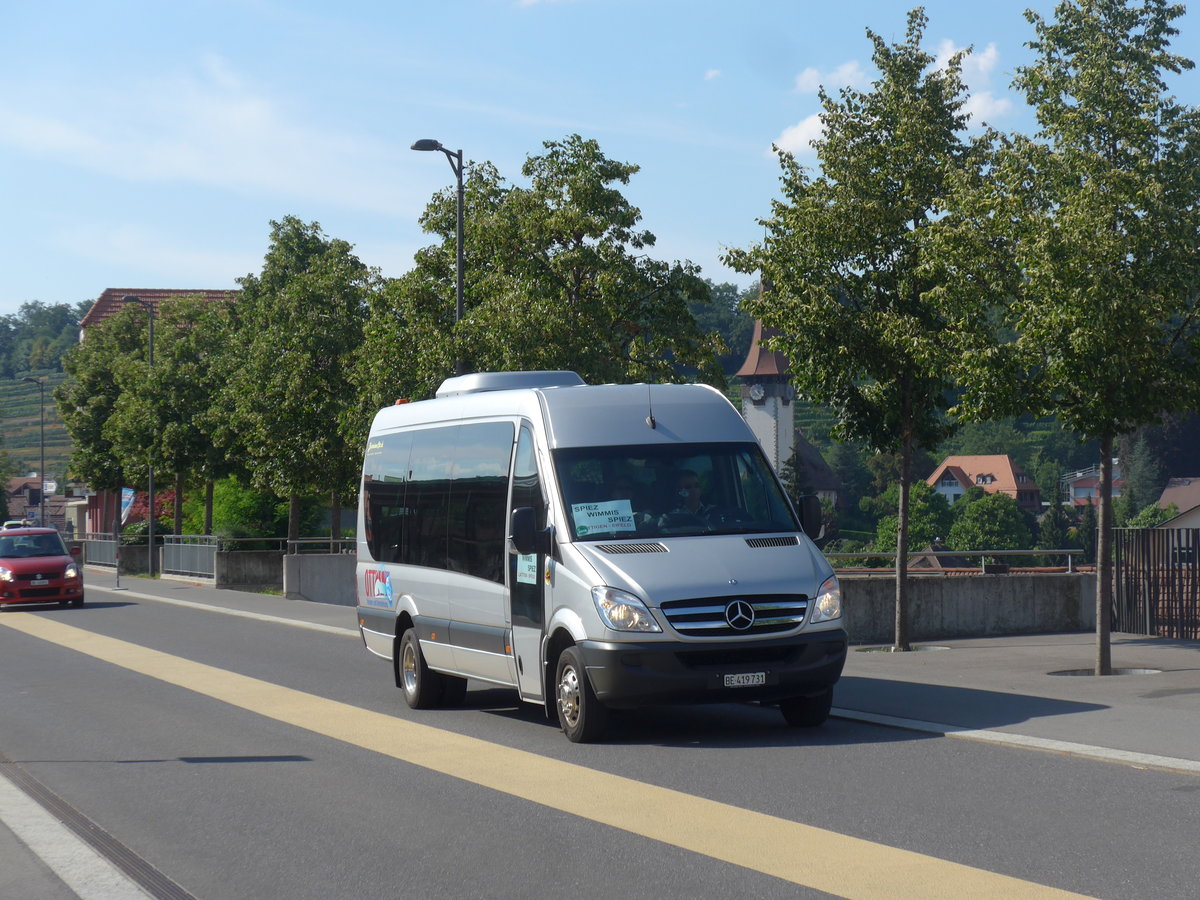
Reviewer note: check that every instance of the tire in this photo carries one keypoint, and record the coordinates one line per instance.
(422, 687)
(454, 690)
(77, 603)
(581, 716)
(807, 712)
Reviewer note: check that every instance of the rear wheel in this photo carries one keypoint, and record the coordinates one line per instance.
(583, 718)
(807, 712)
(422, 687)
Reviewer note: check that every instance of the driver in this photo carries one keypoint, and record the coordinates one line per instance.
(687, 493)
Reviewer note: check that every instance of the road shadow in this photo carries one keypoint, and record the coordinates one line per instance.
(735, 725)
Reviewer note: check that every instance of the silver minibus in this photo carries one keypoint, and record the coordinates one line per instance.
(593, 547)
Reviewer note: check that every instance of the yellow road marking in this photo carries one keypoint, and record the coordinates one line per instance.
(814, 857)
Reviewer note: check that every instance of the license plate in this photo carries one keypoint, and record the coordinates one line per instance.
(746, 679)
(38, 582)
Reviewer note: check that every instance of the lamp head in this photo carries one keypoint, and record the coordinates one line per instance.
(426, 144)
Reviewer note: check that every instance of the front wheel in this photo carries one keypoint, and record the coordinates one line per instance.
(583, 718)
(422, 687)
(807, 712)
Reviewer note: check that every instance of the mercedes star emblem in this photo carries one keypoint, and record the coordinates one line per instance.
(739, 614)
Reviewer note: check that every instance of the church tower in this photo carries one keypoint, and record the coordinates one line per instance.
(767, 398)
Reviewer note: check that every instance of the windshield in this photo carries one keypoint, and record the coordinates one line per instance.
(28, 546)
(681, 489)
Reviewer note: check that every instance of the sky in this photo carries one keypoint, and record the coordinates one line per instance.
(151, 144)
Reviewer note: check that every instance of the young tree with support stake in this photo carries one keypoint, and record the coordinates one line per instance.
(1101, 213)
(858, 295)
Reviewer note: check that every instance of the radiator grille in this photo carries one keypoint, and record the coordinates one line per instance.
(711, 616)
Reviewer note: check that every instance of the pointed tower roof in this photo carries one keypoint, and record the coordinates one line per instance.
(761, 362)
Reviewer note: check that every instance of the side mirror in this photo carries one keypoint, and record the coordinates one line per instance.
(525, 536)
(810, 516)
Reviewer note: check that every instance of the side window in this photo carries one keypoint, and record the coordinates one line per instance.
(428, 497)
(478, 495)
(524, 576)
(385, 476)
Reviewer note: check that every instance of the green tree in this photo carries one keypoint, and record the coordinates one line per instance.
(993, 522)
(556, 277)
(859, 291)
(1142, 476)
(163, 411)
(88, 398)
(1054, 528)
(1102, 217)
(930, 518)
(1153, 515)
(298, 326)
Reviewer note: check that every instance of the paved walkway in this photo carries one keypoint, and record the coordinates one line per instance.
(1006, 690)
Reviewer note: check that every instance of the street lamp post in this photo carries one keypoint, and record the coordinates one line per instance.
(41, 383)
(456, 163)
(150, 454)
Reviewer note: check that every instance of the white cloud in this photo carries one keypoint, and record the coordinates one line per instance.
(848, 74)
(797, 138)
(982, 104)
(208, 128)
(712, 74)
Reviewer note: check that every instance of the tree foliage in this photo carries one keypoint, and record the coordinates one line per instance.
(992, 522)
(1101, 216)
(858, 286)
(556, 277)
(298, 327)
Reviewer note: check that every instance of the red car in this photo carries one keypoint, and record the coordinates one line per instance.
(35, 567)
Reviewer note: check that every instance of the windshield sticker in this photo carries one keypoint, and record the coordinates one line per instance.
(527, 572)
(609, 516)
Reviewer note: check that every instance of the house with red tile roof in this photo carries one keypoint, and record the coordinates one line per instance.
(109, 303)
(997, 474)
(1185, 494)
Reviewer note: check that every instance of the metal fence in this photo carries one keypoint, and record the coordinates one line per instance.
(990, 561)
(1157, 582)
(195, 555)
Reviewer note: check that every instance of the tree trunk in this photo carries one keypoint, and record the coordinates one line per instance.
(1104, 562)
(901, 642)
(293, 517)
(335, 519)
(208, 506)
(178, 503)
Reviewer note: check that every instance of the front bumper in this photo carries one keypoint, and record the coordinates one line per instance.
(628, 675)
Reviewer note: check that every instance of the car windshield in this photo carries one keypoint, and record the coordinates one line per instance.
(679, 489)
(28, 546)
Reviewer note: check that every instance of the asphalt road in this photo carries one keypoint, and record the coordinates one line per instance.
(237, 758)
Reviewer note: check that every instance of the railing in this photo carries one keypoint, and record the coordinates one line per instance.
(322, 545)
(983, 556)
(1157, 581)
(99, 549)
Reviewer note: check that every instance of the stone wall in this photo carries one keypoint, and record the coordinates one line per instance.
(942, 607)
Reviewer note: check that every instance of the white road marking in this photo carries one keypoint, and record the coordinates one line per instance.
(80, 867)
(1068, 748)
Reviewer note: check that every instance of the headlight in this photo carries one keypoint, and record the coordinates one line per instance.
(71, 571)
(622, 611)
(5, 574)
(828, 604)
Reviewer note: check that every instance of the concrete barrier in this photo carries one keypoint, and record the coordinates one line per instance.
(969, 606)
(320, 577)
(253, 570)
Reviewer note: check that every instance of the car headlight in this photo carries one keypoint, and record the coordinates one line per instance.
(5, 573)
(622, 611)
(72, 571)
(828, 604)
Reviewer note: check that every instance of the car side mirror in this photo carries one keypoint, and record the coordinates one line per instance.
(525, 536)
(810, 516)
